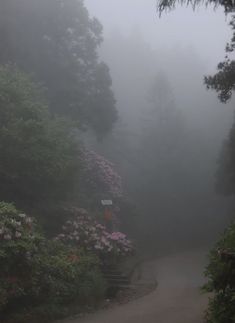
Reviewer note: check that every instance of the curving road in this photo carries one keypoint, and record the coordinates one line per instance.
(176, 300)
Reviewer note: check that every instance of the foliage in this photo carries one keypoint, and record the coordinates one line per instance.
(85, 232)
(36, 272)
(220, 274)
(57, 43)
(19, 241)
(170, 4)
(39, 156)
(224, 81)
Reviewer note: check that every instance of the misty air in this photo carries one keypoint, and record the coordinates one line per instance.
(117, 161)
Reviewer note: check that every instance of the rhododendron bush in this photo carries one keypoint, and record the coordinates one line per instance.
(85, 232)
(36, 271)
(98, 175)
(14, 225)
(19, 241)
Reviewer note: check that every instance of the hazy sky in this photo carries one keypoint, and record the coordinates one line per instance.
(205, 29)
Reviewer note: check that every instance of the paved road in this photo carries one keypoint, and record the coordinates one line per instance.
(176, 300)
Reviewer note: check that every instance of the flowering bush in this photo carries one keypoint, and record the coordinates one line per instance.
(36, 271)
(13, 224)
(19, 241)
(83, 231)
(98, 175)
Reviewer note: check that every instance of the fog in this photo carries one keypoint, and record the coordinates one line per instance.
(117, 161)
(168, 168)
(182, 26)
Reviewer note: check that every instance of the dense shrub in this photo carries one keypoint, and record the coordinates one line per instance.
(83, 231)
(36, 272)
(221, 279)
(39, 155)
(18, 243)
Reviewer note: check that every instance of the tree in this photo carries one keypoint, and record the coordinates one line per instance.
(225, 176)
(219, 272)
(39, 156)
(170, 4)
(56, 42)
(163, 156)
(223, 82)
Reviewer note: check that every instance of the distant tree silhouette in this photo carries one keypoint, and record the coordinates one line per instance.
(57, 42)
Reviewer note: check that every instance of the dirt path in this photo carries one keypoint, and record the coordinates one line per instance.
(176, 300)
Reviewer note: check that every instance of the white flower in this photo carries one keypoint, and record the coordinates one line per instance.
(7, 237)
(18, 234)
(28, 220)
(22, 215)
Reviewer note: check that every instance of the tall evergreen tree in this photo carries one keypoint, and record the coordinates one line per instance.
(57, 42)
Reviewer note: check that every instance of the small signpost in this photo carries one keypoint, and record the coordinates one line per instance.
(106, 202)
(108, 216)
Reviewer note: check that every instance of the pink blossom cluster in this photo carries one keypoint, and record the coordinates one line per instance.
(85, 232)
(14, 227)
(99, 174)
